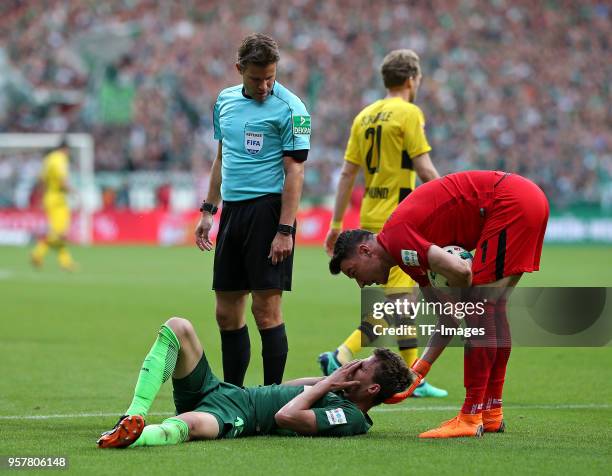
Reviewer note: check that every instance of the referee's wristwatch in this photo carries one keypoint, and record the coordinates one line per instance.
(208, 207)
(286, 230)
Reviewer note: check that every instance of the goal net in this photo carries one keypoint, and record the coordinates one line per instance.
(21, 158)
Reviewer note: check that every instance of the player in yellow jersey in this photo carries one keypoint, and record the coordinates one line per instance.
(54, 178)
(388, 143)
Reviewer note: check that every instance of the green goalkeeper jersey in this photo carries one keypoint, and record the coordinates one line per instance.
(335, 415)
(250, 411)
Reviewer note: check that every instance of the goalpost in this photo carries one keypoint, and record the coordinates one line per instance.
(82, 149)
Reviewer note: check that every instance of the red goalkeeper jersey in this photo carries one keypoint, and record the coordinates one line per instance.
(482, 210)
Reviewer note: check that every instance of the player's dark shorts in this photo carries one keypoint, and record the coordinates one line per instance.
(513, 233)
(202, 391)
(246, 231)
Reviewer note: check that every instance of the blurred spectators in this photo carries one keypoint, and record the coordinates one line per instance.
(516, 85)
(163, 196)
(109, 199)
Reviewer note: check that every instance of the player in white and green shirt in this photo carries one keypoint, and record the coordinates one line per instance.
(207, 408)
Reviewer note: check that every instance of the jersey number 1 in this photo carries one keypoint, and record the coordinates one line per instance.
(374, 135)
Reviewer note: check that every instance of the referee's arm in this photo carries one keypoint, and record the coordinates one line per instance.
(214, 187)
(282, 245)
(214, 196)
(292, 191)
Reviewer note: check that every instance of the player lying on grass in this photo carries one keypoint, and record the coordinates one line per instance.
(503, 217)
(208, 408)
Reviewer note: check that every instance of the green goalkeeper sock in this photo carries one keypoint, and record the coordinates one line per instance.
(156, 369)
(171, 432)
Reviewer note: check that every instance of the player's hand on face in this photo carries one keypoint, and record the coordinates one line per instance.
(343, 377)
(330, 241)
(201, 232)
(281, 248)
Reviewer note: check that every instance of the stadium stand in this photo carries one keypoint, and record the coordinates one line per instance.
(522, 86)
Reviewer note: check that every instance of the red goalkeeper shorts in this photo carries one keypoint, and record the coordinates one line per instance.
(513, 233)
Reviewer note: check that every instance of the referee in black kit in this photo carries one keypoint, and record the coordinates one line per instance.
(263, 131)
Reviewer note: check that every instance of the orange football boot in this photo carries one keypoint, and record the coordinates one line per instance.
(464, 424)
(493, 421)
(127, 430)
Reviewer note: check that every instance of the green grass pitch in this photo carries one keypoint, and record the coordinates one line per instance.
(71, 347)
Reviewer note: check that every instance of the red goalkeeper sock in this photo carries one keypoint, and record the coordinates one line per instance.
(495, 387)
(478, 359)
(477, 362)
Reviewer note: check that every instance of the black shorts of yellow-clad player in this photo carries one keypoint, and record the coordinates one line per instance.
(246, 231)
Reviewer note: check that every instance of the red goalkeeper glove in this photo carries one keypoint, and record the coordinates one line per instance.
(419, 369)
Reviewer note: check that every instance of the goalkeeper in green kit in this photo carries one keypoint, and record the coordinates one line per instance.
(207, 408)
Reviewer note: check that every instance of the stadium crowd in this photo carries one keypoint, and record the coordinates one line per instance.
(516, 85)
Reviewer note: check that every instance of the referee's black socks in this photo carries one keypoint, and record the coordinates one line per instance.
(236, 350)
(274, 349)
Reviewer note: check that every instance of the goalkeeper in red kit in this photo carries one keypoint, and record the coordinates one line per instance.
(502, 217)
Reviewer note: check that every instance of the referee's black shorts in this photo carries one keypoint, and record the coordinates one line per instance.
(246, 231)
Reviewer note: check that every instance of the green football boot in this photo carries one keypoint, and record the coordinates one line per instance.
(425, 390)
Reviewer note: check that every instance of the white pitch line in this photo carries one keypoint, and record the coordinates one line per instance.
(71, 415)
(562, 406)
(568, 406)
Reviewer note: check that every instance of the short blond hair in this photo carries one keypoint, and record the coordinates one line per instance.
(398, 66)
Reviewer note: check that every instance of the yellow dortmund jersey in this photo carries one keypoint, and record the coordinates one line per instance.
(54, 174)
(385, 136)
